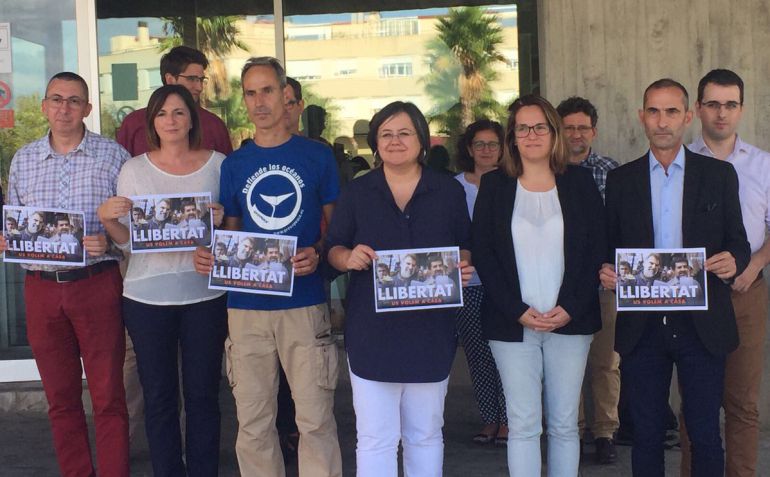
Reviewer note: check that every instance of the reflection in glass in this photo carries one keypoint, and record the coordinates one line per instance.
(352, 64)
(130, 50)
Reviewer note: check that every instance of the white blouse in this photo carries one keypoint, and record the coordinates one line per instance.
(537, 227)
(166, 278)
(471, 192)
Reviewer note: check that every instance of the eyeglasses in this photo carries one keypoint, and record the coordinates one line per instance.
(522, 130)
(581, 129)
(73, 101)
(194, 79)
(716, 106)
(403, 136)
(493, 146)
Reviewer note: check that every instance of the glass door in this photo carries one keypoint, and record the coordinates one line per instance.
(38, 38)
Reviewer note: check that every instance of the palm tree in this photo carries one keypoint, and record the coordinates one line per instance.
(217, 36)
(471, 38)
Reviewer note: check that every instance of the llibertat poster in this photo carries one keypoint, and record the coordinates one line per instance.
(170, 222)
(417, 279)
(44, 236)
(253, 263)
(661, 279)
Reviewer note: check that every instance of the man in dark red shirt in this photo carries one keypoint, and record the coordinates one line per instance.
(184, 66)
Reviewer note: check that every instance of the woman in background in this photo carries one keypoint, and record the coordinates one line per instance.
(479, 150)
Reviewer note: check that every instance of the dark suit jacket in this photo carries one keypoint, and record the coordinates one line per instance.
(495, 260)
(711, 218)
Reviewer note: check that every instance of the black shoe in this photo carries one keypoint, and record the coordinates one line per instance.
(623, 437)
(605, 451)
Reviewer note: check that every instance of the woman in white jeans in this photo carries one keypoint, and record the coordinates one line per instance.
(400, 360)
(538, 243)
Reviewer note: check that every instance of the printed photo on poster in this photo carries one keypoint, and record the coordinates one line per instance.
(170, 223)
(661, 279)
(253, 263)
(417, 279)
(44, 236)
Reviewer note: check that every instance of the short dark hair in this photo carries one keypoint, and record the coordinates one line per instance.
(722, 77)
(296, 87)
(435, 257)
(559, 154)
(679, 259)
(13, 220)
(156, 102)
(178, 59)
(464, 160)
(187, 203)
(576, 104)
(271, 243)
(624, 263)
(415, 115)
(138, 209)
(59, 217)
(664, 83)
(273, 63)
(68, 76)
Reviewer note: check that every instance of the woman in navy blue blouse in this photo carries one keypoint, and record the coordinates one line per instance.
(399, 361)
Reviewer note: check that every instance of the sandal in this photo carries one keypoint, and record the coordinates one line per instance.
(482, 438)
(500, 440)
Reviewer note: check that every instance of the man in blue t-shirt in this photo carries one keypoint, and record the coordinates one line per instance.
(280, 184)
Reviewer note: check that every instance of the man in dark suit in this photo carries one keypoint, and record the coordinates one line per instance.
(673, 198)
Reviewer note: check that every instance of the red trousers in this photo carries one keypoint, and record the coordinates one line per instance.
(67, 321)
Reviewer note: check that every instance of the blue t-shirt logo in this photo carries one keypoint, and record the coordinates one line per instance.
(275, 199)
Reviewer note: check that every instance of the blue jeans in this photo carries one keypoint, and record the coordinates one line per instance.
(647, 374)
(160, 334)
(550, 367)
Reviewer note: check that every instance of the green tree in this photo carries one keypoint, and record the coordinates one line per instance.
(109, 120)
(30, 124)
(217, 36)
(234, 114)
(462, 60)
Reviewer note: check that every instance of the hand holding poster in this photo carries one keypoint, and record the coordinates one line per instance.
(253, 263)
(44, 236)
(661, 279)
(170, 223)
(417, 279)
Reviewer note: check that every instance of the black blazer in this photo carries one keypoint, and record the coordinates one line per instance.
(495, 260)
(711, 218)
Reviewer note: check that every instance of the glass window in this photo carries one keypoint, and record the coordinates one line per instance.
(130, 50)
(352, 64)
(33, 47)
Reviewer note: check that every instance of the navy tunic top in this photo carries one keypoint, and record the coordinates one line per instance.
(415, 346)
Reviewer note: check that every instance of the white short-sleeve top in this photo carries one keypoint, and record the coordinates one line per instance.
(166, 278)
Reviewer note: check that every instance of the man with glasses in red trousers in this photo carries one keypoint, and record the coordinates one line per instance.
(75, 313)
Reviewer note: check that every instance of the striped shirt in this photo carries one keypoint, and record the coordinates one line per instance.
(600, 166)
(79, 180)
